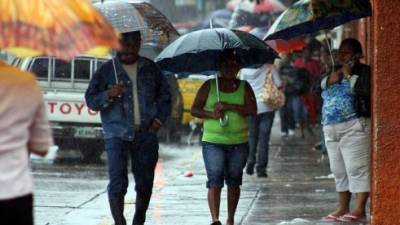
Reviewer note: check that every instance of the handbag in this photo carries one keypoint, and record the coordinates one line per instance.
(270, 93)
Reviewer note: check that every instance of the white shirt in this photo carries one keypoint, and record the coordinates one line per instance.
(23, 123)
(132, 73)
(256, 79)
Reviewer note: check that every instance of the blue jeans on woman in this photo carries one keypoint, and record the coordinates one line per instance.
(259, 135)
(224, 162)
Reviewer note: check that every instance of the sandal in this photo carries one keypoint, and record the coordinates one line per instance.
(330, 218)
(352, 218)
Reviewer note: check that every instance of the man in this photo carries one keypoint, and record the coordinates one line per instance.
(24, 129)
(132, 110)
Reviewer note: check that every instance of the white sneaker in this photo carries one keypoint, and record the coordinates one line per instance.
(292, 132)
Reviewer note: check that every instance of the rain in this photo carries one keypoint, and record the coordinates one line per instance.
(70, 182)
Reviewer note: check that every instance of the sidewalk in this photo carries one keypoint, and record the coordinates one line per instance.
(298, 190)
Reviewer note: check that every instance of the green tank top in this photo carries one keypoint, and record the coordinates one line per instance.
(236, 131)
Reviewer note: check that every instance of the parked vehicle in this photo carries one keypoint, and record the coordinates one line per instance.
(189, 87)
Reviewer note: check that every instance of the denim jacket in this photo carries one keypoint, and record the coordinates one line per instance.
(117, 115)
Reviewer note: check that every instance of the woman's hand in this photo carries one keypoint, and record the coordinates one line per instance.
(347, 70)
(334, 77)
(218, 114)
(220, 106)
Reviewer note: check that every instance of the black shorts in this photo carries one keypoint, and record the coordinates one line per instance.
(17, 211)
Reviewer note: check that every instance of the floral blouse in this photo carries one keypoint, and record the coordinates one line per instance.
(338, 103)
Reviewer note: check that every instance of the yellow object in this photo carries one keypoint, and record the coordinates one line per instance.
(189, 87)
(60, 28)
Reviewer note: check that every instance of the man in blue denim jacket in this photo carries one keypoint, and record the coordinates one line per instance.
(133, 105)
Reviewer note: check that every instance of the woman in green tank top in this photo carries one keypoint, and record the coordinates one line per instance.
(225, 148)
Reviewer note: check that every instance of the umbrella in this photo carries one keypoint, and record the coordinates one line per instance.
(62, 28)
(128, 16)
(123, 16)
(281, 45)
(270, 6)
(309, 16)
(160, 27)
(199, 51)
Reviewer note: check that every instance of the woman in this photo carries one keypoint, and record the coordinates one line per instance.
(225, 148)
(345, 112)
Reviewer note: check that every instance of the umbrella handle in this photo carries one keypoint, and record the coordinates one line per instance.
(222, 121)
(330, 51)
(115, 70)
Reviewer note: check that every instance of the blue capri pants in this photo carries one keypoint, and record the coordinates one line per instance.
(224, 163)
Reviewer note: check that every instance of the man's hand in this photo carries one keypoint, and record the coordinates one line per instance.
(116, 90)
(155, 125)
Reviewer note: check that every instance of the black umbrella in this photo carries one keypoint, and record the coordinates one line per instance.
(199, 51)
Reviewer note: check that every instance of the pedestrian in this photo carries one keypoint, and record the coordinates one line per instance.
(225, 147)
(260, 125)
(293, 84)
(24, 129)
(313, 67)
(346, 126)
(132, 110)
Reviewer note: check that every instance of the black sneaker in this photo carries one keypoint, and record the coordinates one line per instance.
(262, 174)
(250, 168)
(216, 223)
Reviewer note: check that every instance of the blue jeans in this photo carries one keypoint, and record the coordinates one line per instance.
(299, 110)
(287, 115)
(224, 162)
(259, 135)
(143, 152)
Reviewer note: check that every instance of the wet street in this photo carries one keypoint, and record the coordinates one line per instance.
(298, 190)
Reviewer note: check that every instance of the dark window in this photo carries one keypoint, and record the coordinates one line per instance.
(100, 63)
(82, 69)
(62, 70)
(40, 67)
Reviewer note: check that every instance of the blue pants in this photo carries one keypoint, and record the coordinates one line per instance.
(287, 115)
(143, 152)
(259, 135)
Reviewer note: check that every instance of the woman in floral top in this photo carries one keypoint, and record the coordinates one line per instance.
(346, 133)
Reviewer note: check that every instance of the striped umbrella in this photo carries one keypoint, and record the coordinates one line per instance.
(60, 28)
